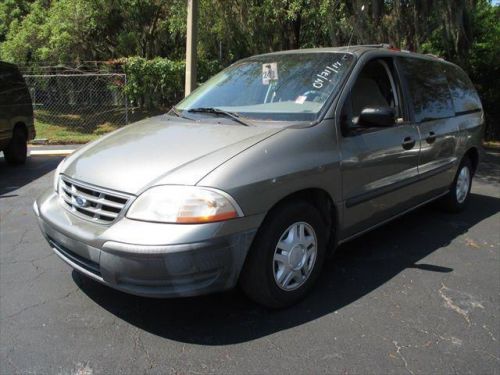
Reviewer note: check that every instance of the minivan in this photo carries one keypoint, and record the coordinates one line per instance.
(16, 115)
(258, 175)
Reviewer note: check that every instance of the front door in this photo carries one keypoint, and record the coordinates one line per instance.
(379, 164)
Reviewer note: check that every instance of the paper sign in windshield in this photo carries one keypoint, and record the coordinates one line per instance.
(269, 73)
(301, 99)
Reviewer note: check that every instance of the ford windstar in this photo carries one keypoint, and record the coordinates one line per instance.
(263, 170)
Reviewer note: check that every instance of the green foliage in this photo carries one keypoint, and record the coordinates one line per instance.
(153, 82)
(159, 82)
(11, 10)
(25, 35)
(74, 31)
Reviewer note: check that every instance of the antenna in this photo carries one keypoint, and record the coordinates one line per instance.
(353, 27)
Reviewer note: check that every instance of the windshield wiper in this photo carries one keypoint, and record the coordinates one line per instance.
(177, 113)
(218, 111)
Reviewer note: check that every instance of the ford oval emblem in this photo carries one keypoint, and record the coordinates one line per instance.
(81, 201)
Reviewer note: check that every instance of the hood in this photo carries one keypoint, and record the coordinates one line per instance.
(159, 151)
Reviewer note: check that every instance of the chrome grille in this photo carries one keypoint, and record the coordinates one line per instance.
(89, 202)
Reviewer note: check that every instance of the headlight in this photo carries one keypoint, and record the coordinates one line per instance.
(57, 173)
(183, 204)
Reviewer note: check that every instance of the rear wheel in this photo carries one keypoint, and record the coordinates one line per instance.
(458, 196)
(17, 149)
(286, 256)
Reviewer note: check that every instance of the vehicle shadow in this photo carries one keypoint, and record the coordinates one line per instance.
(489, 168)
(358, 268)
(13, 178)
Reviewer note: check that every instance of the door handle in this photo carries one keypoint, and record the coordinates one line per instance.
(431, 138)
(408, 143)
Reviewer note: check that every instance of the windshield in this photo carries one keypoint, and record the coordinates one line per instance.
(283, 87)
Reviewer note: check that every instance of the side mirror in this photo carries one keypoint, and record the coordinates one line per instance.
(377, 117)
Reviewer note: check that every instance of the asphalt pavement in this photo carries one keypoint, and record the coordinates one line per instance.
(420, 295)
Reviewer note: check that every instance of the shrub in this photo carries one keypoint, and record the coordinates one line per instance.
(159, 83)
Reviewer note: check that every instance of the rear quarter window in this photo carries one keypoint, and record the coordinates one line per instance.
(428, 89)
(463, 93)
(10, 75)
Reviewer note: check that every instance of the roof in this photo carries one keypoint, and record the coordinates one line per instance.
(358, 50)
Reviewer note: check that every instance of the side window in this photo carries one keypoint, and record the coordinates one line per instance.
(375, 86)
(9, 75)
(428, 88)
(463, 93)
(13, 88)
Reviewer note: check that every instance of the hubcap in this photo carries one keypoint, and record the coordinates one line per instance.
(463, 184)
(294, 256)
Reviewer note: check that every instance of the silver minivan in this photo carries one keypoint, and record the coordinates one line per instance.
(263, 170)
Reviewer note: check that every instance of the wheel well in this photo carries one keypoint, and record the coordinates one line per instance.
(322, 201)
(473, 155)
(22, 126)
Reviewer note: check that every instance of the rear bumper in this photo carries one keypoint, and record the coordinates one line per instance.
(155, 267)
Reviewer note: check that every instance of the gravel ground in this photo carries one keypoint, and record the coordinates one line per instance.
(420, 295)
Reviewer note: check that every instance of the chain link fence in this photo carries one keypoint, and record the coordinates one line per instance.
(76, 108)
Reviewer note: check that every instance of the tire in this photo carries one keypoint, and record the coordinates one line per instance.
(17, 149)
(457, 198)
(262, 270)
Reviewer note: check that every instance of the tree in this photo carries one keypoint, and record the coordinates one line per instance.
(72, 31)
(11, 10)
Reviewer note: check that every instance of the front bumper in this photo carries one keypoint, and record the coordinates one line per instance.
(149, 259)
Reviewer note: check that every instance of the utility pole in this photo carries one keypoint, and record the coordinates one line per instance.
(191, 44)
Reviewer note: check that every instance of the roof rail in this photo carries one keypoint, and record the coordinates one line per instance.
(380, 45)
(383, 45)
(387, 46)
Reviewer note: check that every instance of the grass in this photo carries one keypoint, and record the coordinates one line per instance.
(81, 125)
(55, 134)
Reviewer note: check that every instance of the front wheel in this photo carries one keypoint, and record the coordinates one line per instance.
(286, 256)
(458, 196)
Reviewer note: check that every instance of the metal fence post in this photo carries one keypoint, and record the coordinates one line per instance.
(126, 100)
